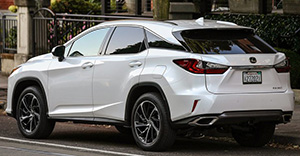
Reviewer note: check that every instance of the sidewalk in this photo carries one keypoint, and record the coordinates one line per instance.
(284, 133)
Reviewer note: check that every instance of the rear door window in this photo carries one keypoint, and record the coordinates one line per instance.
(212, 41)
(126, 40)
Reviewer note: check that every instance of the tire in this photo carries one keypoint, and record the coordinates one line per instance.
(32, 114)
(150, 122)
(257, 135)
(124, 130)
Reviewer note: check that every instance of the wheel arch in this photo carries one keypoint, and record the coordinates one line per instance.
(20, 86)
(139, 89)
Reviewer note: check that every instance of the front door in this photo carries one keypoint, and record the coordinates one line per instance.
(70, 81)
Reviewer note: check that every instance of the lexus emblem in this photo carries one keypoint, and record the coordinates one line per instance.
(252, 59)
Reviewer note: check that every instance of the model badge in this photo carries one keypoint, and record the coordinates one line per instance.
(252, 59)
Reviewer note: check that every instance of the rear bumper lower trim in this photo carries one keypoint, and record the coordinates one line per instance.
(229, 118)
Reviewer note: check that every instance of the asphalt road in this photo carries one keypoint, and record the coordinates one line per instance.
(70, 139)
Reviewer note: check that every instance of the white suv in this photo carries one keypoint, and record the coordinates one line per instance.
(157, 80)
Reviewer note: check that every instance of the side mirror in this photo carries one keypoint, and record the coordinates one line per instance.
(59, 51)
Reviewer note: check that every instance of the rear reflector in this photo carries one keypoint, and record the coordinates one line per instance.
(200, 67)
(194, 105)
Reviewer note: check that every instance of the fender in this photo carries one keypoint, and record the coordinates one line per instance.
(30, 81)
(143, 87)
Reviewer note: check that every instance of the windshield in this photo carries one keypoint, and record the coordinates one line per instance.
(224, 41)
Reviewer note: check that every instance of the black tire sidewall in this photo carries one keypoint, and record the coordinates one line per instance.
(165, 127)
(123, 130)
(38, 132)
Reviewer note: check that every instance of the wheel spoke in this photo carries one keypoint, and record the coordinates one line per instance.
(141, 117)
(143, 112)
(154, 110)
(147, 134)
(30, 126)
(24, 118)
(155, 128)
(142, 130)
(36, 115)
(25, 104)
(152, 135)
(24, 111)
(138, 124)
(32, 102)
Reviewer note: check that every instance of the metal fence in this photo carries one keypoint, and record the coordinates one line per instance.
(52, 29)
(8, 33)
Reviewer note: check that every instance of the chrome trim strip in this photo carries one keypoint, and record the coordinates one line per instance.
(253, 67)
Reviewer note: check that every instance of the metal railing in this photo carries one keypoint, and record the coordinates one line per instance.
(8, 33)
(52, 29)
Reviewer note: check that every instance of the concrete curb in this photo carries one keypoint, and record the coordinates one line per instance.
(286, 139)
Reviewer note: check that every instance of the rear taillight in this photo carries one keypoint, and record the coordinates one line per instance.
(283, 67)
(201, 67)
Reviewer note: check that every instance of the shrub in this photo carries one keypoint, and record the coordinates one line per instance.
(295, 66)
(11, 40)
(13, 8)
(75, 6)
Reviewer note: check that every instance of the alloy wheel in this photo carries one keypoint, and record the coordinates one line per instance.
(30, 111)
(147, 122)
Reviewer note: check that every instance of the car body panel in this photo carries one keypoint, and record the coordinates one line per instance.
(232, 80)
(70, 87)
(113, 78)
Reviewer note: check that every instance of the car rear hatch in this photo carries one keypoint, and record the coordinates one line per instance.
(252, 66)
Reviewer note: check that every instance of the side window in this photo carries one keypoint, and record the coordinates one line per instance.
(89, 44)
(156, 42)
(126, 40)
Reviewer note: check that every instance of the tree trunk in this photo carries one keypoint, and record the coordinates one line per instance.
(161, 9)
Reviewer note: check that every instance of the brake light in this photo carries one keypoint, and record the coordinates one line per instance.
(201, 67)
(283, 66)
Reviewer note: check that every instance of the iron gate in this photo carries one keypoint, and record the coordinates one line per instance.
(50, 29)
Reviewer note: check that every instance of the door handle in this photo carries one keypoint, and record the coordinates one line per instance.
(135, 64)
(87, 65)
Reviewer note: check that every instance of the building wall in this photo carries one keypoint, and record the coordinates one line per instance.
(4, 4)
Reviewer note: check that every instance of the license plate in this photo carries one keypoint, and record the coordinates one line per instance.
(252, 77)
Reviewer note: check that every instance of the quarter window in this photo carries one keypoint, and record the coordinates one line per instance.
(89, 44)
(156, 42)
(126, 40)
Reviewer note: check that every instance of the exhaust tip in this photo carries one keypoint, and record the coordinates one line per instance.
(204, 121)
(286, 118)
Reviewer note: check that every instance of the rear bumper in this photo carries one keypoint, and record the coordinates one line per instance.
(209, 103)
(229, 118)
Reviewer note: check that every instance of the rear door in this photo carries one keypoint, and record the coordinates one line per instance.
(252, 63)
(117, 71)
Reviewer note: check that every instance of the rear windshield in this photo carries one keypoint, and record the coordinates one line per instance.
(229, 41)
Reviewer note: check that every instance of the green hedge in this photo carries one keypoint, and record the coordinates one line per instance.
(75, 6)
(295, 66)
(269, 27)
